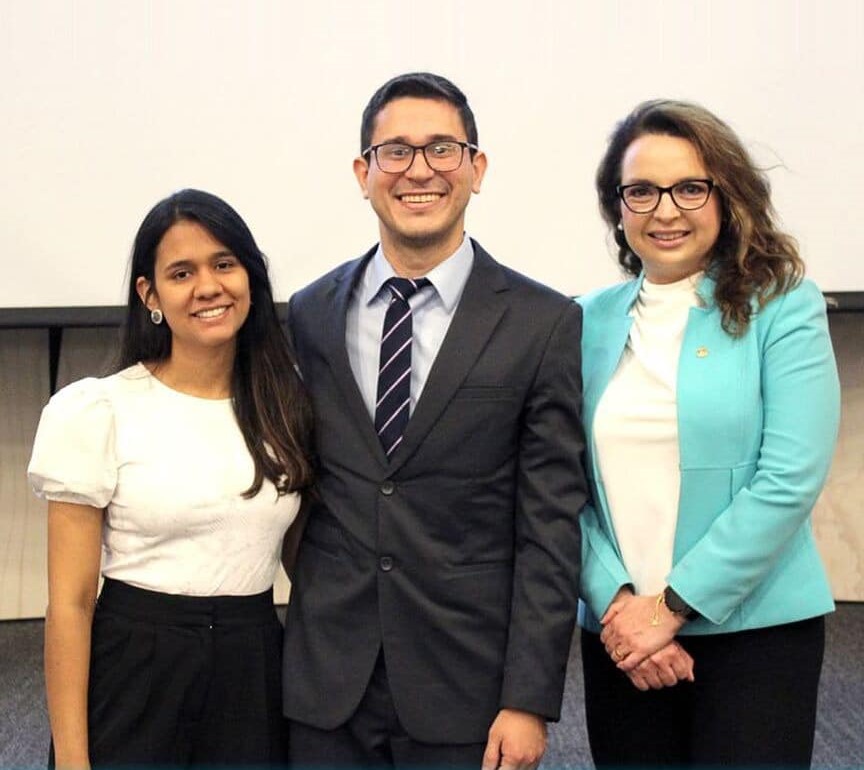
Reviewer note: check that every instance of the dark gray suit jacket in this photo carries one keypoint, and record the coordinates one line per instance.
(460, 557)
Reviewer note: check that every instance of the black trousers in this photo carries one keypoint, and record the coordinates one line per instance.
(753, 702)
(180, 681)
(374, 738)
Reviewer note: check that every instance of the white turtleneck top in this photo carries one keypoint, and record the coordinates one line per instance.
(636, 433)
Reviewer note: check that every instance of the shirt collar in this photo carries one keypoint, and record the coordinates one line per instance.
(448, 278)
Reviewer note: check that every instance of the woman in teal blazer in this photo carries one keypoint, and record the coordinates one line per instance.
(702, 589)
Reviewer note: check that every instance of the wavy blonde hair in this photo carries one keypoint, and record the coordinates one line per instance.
(752, 258)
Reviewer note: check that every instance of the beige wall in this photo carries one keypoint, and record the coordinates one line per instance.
(24, 388)
(838, 522)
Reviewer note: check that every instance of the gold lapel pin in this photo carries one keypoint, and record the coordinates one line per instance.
(701, 352)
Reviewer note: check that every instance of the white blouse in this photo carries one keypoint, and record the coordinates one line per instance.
(170, 470)
(636, 433)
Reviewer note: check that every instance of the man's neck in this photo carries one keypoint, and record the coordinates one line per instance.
(415, 259)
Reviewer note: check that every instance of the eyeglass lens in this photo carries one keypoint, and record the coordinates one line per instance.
(688, 195)
(441, 156)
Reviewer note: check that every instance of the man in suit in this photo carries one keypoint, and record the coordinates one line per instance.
(436, 584)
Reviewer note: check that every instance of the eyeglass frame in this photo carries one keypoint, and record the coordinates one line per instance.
(622, 188)
(372, 149)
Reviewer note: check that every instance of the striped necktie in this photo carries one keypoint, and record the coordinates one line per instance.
(394, 369)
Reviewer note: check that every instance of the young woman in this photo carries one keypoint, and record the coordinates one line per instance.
(182, 472)
(711, 409)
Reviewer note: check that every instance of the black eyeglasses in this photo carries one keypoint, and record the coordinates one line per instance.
(643, 198)
(397, 157)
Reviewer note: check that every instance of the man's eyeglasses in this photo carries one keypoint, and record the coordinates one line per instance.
(643, 198)
(396, 157)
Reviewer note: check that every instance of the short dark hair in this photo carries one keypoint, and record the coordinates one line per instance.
(270, 401)
(419, 85)
(752, 258)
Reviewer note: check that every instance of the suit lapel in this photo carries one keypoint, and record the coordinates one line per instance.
(480, 309)
(337, 354)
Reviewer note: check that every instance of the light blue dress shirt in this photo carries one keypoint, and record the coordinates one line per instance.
(433, 309)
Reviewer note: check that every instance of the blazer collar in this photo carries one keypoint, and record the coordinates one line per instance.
(480, 309)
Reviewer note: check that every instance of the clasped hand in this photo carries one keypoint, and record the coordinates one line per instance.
(639, 635)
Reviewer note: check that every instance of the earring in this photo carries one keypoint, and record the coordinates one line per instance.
(156, 316)
(619, 226)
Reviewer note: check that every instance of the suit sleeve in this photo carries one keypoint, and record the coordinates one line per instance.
(551, 491)
(288, 324)
(801, 408)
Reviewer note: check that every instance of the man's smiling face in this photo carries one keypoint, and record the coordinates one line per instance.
(420, 209)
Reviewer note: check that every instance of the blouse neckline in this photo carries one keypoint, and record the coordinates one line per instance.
(173, 391)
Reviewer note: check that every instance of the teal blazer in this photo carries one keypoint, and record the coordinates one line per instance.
(757, 425)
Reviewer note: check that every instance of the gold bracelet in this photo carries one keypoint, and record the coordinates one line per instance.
(655, 618)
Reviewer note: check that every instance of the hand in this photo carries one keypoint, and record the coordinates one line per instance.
(517, 741)
(628, 635)
(664, 668)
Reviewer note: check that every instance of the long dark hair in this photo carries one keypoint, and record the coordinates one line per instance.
(752, 257)
(270, 401)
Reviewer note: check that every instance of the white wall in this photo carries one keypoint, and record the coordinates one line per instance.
(108, 105)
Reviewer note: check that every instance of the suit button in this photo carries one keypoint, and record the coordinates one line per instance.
(388, 488)
(386, 563)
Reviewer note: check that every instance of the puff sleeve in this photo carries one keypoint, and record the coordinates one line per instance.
(73, 458)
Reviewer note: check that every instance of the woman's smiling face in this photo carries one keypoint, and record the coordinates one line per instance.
(200, 286)
(672, 243)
